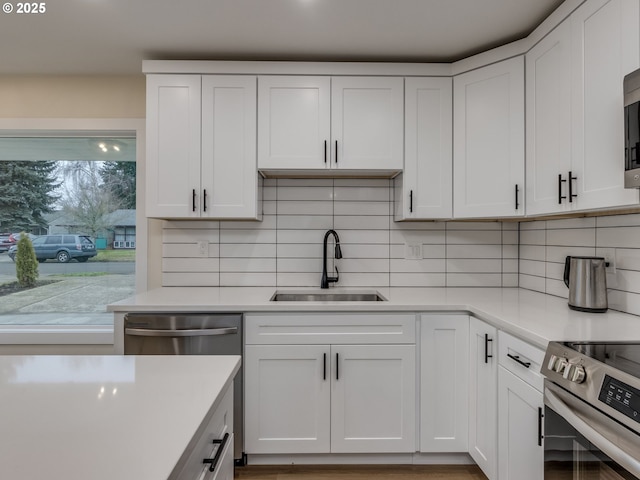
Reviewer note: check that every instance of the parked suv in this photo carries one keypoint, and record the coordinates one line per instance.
(61, 247)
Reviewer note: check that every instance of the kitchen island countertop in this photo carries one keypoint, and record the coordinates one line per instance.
(104, 417)
(535, 317)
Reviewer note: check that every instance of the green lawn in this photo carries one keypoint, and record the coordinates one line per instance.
(114, 256)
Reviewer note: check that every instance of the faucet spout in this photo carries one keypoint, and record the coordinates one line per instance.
(326, 280)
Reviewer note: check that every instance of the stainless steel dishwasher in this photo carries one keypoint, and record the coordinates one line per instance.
(191, 334)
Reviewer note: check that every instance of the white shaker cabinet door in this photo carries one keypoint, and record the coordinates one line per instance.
(444, 383)
(173, 146)
(548, 66)
(287, 399)
(229, 173)
(373, 398)
(367, 123)
(483, 402)
(425, 190)
(521, 451)
(488, 148)
(606, 46)
(294, 115)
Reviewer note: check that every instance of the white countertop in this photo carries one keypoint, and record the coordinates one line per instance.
(532, 316)
(104, 417)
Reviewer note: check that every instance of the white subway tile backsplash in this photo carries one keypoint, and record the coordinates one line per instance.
(558, 254)
(533, 237)
(627, 258)
(473, 237)
(406, 279)
(247, 250)
(532, 252)
(285, 249)
(621, 237)
(535, 225)
(361, 208)
(299, 222)
(532, 267)
(364, 222)
(579, 237)
(210, 265)
(304, 208)
(630, 220)
(305, 193)
(474, 279)
(461, 265)
(531, 282)
(247, 265)
(584, 222)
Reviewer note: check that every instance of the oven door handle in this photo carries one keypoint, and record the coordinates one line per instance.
(196, 332)
(591, 429)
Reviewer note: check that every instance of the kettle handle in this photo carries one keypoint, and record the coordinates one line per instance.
(567, 267)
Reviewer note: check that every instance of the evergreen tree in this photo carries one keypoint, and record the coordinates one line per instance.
(26, 194)
(120, 179)
(26, 262)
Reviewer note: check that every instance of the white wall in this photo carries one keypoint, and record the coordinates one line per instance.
(285, 249)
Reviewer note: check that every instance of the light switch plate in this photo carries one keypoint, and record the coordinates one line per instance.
(413, 251)
(203, 248)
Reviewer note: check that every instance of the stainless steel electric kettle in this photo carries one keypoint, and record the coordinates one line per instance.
(587, 281)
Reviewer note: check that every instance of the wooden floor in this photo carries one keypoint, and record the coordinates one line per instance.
(358, 472)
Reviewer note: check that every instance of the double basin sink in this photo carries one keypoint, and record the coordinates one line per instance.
(327, 296)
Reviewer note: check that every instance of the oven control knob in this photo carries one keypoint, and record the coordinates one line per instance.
(575, 373)
(557, 364)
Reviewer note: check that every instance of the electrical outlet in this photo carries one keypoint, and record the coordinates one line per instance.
(203, 248)
(413, 251)
(609, 255)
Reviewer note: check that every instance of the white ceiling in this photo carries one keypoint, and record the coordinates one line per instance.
(114, 36)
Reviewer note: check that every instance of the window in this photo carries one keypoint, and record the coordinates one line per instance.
(83, 230)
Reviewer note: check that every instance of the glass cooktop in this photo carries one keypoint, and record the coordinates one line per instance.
(619, 355)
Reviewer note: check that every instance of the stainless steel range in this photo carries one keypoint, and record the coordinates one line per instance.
(592, 410)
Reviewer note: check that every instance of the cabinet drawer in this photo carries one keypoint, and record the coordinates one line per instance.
(325, 328)
(190, 466)
(521, 358)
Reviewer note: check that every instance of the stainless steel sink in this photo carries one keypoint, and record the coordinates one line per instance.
(315, 296)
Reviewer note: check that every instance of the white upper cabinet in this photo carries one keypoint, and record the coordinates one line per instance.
(229, 173)
(488, 148)
(548, 67)
(201, 147)
(575, 148)
(367, 123)
(294, 115)
(424, 189)
(605, 47)
(338, 123)
(173, 145)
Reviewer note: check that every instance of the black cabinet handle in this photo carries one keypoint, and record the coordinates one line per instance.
(325, 151)
(517, 204)
(324, 367)
(486, 348)
(213, 462)
(204, 200)
(571, 194)
(517, 359)
(560, 182)
(540, 417)
(193, 200)
(410, 200)
(337, 366)
(336, 152)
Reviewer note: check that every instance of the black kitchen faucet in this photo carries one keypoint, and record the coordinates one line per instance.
(324, 283)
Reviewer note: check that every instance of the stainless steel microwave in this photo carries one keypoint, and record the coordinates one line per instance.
(632, 130)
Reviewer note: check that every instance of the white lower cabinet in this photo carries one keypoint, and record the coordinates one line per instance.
(520, 451)
(444, 383)
(329, 397)
(483, 411)
(521, 409)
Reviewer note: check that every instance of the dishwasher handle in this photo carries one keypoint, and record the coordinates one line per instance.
(196, 332)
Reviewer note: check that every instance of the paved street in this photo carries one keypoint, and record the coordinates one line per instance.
(51, 267)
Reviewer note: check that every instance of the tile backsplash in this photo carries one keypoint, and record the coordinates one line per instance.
(545, 244)
(285, 249)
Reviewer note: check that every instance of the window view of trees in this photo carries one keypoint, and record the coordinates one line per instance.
(78, 213)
